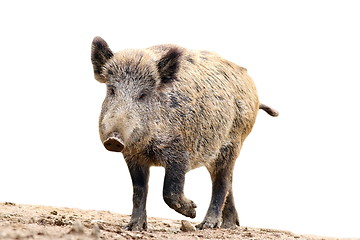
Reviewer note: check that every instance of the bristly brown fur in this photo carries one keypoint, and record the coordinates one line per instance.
(180, 109)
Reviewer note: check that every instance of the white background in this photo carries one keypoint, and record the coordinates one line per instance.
(297, 172)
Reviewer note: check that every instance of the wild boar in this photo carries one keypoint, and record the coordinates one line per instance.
(180, 109)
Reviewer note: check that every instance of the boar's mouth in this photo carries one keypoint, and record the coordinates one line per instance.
(114, 143)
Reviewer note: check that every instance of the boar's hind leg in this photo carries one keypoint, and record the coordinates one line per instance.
(222, 209)
(140, 177)
(173, 191)
(230, 217)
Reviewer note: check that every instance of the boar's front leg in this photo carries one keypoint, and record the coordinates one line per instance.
(173, 191)
(140, 177)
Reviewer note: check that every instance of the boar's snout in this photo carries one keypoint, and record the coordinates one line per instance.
(114, 143)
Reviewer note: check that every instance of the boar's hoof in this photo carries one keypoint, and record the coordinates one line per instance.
(113, 143)
(183, 205)
(137, 225)
(209, 223)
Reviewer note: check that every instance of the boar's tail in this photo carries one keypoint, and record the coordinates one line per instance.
(269, 110)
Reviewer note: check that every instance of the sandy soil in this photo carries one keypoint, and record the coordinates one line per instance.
(41, 222)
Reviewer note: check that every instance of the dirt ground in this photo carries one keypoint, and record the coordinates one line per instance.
(41, 222)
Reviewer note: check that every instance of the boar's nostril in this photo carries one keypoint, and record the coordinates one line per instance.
(114, 144)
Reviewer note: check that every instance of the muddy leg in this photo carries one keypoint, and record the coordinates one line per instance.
(221, 176)
(219, 191)
(173, 191)
(230, 217)
(140, 177)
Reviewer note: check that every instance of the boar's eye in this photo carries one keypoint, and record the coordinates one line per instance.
(142, 96)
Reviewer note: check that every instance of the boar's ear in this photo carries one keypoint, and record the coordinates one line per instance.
(100, 54)
(169, 64)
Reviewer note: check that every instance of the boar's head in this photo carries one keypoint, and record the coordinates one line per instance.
(134, 80)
